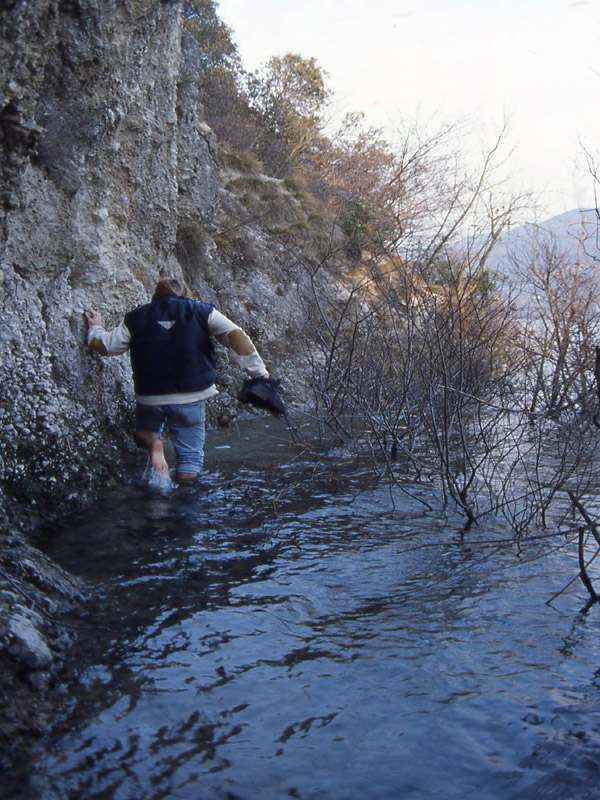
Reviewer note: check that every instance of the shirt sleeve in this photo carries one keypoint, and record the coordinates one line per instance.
(109, 343)
(242, 351)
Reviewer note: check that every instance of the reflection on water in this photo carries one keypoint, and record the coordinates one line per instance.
(277, 634)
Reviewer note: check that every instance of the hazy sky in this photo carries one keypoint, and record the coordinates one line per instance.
(533, 62)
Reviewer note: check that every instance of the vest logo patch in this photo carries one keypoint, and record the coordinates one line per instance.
(167, 324)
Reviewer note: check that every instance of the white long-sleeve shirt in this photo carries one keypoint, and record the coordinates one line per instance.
(241, 351)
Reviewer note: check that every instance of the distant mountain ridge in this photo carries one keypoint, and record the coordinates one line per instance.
(565, 230)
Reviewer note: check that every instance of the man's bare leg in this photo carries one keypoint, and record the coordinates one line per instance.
(151, 442)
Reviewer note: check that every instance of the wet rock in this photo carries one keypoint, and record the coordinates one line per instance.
(27, 644)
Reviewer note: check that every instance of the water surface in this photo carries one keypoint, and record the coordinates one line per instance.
(287, 631)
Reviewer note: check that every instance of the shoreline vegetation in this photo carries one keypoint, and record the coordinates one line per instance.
(136, 145)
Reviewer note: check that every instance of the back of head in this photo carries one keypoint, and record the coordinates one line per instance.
(172, 287)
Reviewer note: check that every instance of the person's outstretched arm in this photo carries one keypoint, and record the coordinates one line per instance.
(107, 343)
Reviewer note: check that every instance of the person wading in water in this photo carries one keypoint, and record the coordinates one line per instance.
(173, 363)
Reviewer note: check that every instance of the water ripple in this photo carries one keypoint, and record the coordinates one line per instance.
(339, 644)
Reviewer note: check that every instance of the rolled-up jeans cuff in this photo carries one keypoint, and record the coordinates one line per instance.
(189, 469)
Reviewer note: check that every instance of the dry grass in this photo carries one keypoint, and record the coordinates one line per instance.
(244, 163)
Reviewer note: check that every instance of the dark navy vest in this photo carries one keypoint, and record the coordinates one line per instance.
(171, 350)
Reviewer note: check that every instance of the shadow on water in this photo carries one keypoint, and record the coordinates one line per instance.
(281, 632)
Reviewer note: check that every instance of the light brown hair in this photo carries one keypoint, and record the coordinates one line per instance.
(172, 287)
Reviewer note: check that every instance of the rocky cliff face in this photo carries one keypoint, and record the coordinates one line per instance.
(104, 155)
(109, 180)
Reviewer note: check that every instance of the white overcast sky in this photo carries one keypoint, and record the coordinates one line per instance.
(533, 62)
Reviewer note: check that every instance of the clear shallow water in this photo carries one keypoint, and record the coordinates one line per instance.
(279, 634)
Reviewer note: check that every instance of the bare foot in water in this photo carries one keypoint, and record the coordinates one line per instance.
(157, 458)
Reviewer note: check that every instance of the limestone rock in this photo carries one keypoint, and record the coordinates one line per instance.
(27, 644)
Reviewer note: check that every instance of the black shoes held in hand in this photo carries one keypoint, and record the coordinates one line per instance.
(262, 393)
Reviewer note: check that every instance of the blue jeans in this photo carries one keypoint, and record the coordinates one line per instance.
(186, 428)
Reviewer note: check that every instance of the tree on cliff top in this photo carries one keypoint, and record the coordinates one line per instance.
(203, 22)
(289, 94)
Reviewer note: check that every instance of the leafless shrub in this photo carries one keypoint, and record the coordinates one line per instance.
(560, 320)
(428, 364)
